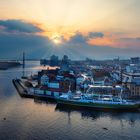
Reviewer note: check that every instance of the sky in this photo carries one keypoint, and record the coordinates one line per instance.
(97, 29)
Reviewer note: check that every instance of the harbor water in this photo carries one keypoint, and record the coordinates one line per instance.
(33, 119)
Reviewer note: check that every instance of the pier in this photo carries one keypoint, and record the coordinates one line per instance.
(21, 89)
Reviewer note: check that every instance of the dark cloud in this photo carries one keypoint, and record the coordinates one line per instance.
(95, 35)
(79, 38)
(19, 26)
(35, 46)
(79, 47)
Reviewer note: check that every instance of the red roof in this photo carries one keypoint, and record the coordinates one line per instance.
(52, 89)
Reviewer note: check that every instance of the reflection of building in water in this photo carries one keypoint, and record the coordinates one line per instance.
(124, 118)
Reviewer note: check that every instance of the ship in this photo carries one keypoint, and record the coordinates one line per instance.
(97, 101)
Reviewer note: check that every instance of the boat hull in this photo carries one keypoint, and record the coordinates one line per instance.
(98, 105)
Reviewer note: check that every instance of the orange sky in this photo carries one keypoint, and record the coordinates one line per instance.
(63, 18)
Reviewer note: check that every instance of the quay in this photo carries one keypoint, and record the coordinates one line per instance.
(23, 91)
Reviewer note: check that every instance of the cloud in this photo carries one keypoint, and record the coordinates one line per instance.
(95, 35)
(13, 45)
(101, 46)
(77, 47)
(18, 26)
(79, 38)
(131, 43)
(104, 41)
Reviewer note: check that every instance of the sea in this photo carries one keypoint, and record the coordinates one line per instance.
(34, 119)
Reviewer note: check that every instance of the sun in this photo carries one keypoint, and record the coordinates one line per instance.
(56, 38)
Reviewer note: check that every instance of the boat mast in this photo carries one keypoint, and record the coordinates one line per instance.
(121, 95)
(23, 64)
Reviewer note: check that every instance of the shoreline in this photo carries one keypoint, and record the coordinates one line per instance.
(4, 65)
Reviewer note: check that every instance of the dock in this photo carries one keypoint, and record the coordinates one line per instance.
(24, 92)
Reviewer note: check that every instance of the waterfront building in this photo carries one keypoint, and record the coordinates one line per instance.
(135, 60)
(65, 63)
(133, 84)
(54, 60)
(132, 68)
(56, 80)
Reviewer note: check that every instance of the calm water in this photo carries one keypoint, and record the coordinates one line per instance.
(33, 119)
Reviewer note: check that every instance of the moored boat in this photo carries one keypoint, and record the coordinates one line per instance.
(100, 102)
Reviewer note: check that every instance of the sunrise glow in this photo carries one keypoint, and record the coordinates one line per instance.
(113, 23)
(56, 38)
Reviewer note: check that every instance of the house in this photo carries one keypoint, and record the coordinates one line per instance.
(133, 84)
